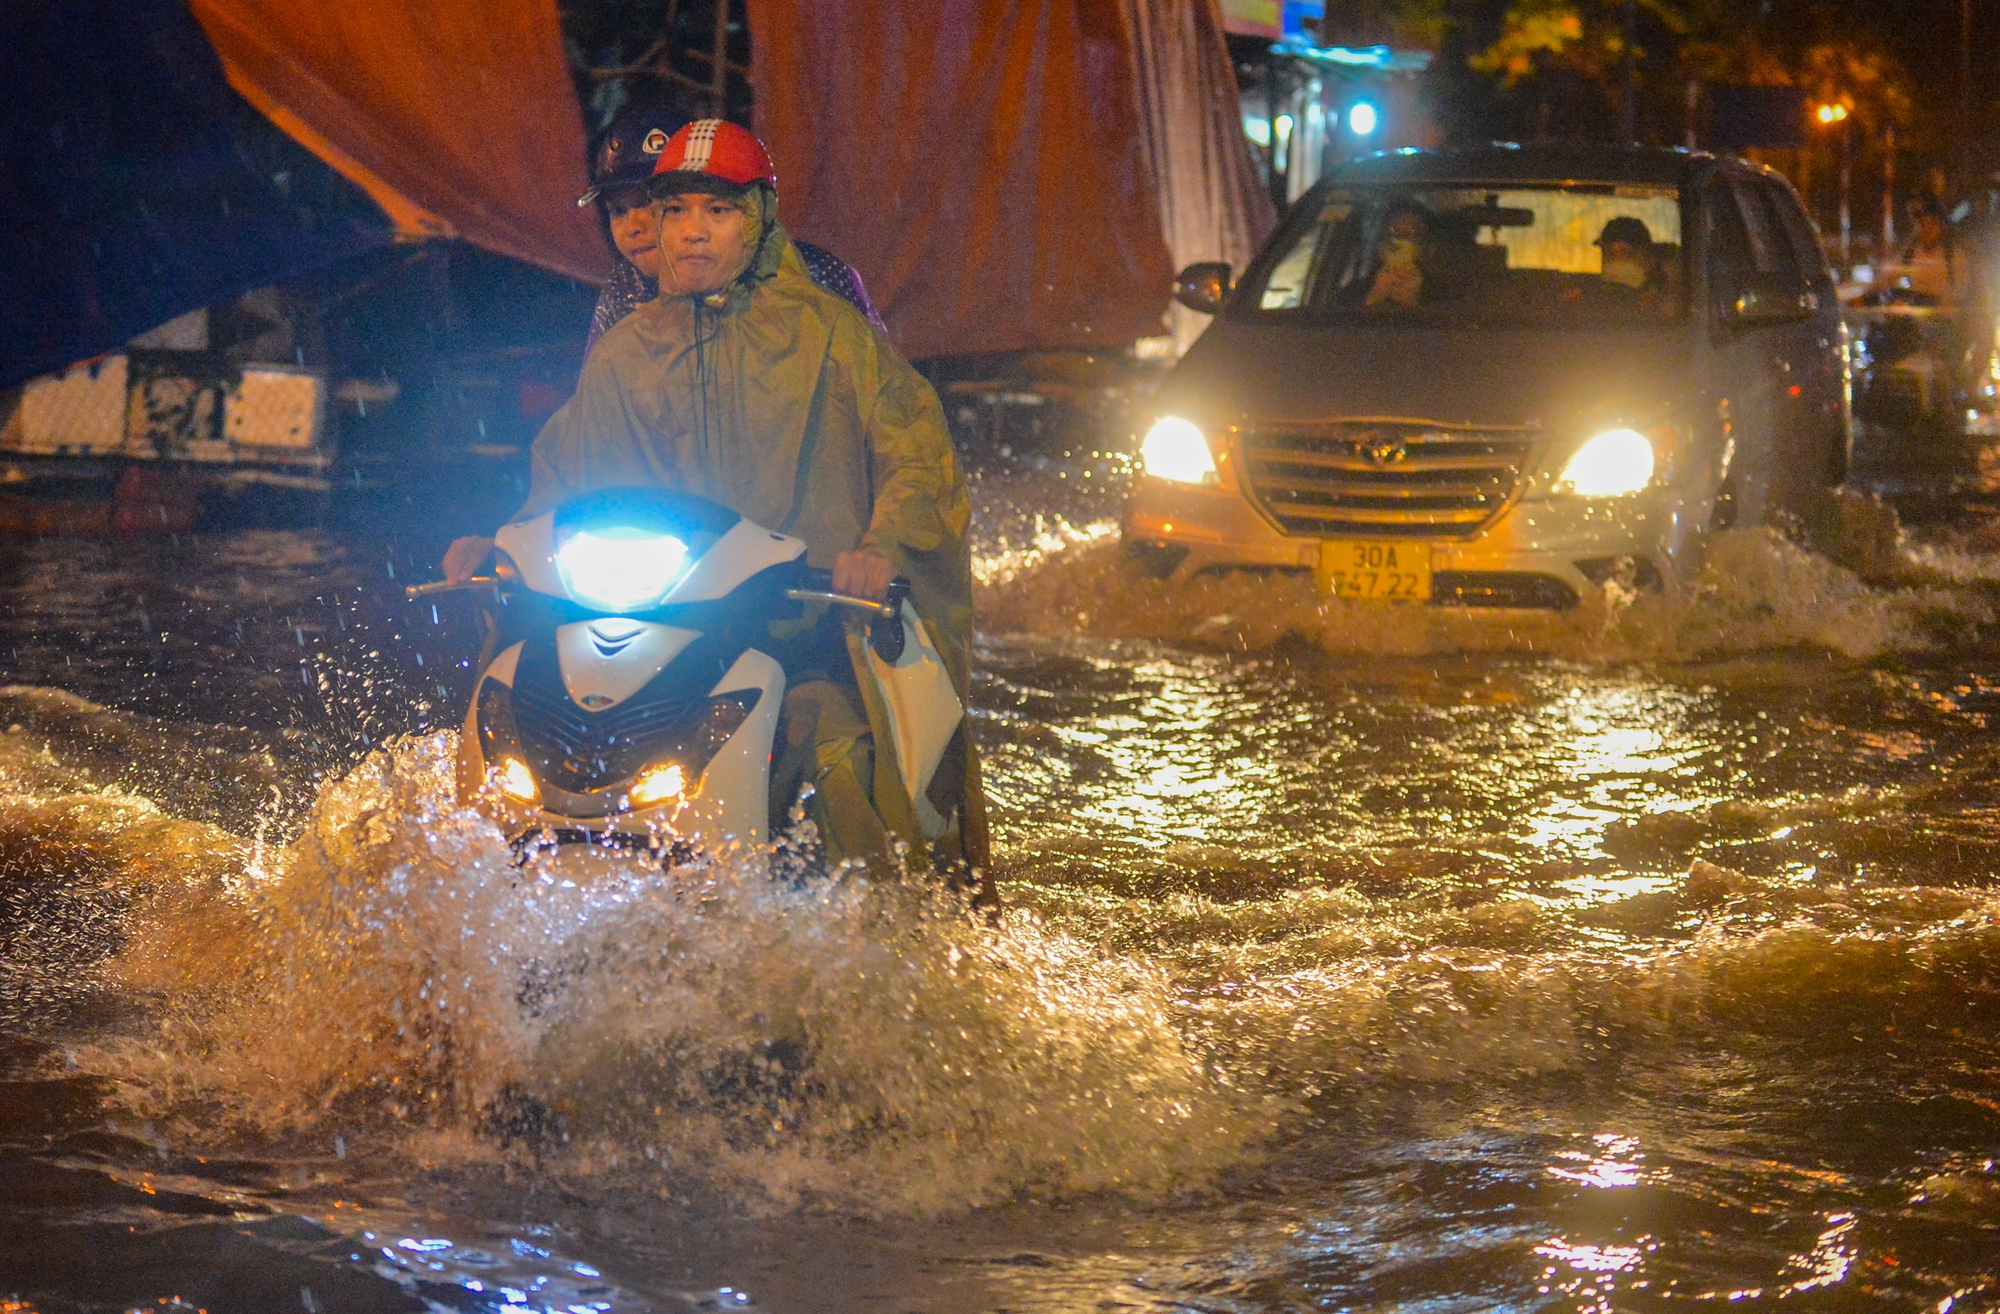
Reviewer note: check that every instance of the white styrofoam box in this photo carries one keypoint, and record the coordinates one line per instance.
(79, 411)
(175, 417)
(275, 407)
(95, 409)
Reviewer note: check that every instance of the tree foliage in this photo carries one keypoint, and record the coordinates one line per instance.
(1570, 58)
(1584, 37)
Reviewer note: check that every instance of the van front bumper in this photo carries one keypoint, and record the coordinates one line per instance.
(1541, 552)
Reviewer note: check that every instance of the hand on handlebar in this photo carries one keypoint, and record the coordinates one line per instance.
(863, 573)
(464, 557)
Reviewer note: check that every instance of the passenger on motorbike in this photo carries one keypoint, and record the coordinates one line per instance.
(748, 384)
(619, 184)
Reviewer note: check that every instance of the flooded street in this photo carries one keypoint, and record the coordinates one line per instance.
(1356, 957)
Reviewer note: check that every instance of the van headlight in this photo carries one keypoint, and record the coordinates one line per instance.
(1615, 463)
(1176, 450)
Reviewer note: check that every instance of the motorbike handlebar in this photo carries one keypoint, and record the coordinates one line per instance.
(477, 583)
(819, 588)
(840, 600)
(885, 628)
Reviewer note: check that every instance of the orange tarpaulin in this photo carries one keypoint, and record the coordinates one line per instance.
(457, 116)
(1213, 206)
(981, 162)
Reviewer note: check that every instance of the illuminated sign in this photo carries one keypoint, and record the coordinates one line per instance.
(1261, 18)
(1273, 18)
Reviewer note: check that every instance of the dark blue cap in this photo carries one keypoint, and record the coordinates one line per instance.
(630, 148)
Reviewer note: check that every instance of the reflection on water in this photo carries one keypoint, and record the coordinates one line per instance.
(1355, 959)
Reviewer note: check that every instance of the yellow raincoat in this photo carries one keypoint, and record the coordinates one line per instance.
(778, 400)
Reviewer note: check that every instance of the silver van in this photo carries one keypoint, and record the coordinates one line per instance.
(1501, 377)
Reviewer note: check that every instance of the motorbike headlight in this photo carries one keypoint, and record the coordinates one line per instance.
(1615, 463)
(1174, 449)
(659, 784)
(620, 569)
(515, 780)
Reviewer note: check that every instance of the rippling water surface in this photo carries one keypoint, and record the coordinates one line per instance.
(1354, 959)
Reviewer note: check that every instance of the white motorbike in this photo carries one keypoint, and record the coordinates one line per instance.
(629, 698)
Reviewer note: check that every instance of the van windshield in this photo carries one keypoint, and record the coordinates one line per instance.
(1584, 254)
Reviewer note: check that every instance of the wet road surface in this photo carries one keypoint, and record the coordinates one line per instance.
(1355, 959)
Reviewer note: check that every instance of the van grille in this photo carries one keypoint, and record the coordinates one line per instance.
(1384, 478)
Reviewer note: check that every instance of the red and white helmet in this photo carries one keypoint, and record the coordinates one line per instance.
(719, 149)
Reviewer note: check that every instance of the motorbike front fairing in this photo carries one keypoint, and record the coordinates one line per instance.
(629, 694)
(626, 695)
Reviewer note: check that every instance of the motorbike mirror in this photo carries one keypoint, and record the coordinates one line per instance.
(885, 632)
(1203, 286)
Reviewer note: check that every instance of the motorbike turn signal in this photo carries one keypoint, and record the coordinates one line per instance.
(659, 784)
(515, 780)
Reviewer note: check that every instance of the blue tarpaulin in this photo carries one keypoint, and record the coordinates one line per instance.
(136, 185)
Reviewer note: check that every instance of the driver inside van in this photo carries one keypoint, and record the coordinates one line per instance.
(1631, 259)
(1399, 280)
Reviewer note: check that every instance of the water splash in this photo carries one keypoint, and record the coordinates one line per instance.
(1758, 590)
(850, 1044)
(866, 1048)
(390, 985)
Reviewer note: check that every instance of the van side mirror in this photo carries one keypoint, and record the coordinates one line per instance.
(1763, 299)
(1203, 286)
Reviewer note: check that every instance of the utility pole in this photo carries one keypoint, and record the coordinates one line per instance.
(1965, 97)
(1629, 117)
(718, 65)
(1888, 194)
(1846, 179)
(1829, 114)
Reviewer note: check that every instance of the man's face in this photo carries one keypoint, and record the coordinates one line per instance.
(703, 240)
(632, 228)
(1627, 263)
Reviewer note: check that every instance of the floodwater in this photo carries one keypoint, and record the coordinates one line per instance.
(1354, 959)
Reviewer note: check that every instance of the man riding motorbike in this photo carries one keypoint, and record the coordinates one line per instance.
(618, 185)
(746, 383)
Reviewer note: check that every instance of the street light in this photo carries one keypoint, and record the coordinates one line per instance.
(1362, 118)
(1828, 114)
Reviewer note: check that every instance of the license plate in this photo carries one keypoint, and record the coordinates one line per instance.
(1381, 570)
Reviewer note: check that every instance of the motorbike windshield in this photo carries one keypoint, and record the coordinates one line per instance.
(1549, 255)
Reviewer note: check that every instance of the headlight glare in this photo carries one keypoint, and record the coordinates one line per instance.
(515, 780)
(1176, 450)
(658, 785)
(621, 569)
(1615, 463)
